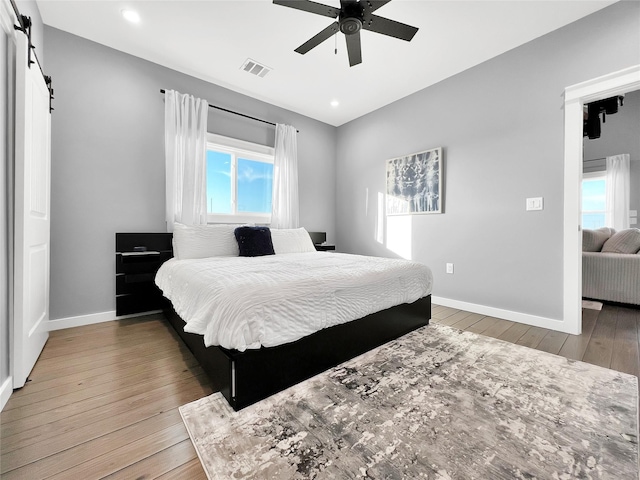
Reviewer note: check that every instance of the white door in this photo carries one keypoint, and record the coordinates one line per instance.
(32, 215)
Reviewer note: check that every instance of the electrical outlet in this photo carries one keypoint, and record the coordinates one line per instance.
(449, 267)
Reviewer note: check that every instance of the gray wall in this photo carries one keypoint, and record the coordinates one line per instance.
(108, 160)
(620, 134)
(501, 127)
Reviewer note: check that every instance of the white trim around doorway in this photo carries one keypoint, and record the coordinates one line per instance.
(575, 97)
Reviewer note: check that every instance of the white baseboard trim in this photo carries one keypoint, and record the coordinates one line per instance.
(5, 392)
(82, 320)
(518, 317)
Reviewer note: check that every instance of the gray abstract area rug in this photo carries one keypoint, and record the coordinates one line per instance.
(436, 404)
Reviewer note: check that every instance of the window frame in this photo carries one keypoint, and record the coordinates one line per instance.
(248, 151)
(592, 176)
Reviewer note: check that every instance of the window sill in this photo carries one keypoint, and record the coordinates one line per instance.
(240, 219)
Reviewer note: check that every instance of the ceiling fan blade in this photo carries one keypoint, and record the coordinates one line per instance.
(377, 24)
(353, 49)
(311, 7)
(319, 38)
(373, 5)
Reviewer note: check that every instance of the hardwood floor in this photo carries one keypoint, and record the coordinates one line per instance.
(610, 337)
(102, 401)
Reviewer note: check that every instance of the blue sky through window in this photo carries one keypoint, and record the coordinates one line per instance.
(593, 203)
(218, 182)
(253, 187)
(593, 195)
(255, 180)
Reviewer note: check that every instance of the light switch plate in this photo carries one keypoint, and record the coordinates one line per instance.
(633, 221)
(633, 213)
(535, 203)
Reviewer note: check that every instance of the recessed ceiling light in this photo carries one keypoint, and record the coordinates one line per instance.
(131, 15)
(335, 103)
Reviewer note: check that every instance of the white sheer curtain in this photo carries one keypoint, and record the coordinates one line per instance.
(285, 208)
(185, 136)
(618, 191)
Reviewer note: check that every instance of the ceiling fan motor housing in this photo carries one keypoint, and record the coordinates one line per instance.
(351, 18)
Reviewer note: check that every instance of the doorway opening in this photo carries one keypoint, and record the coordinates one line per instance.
(575, 97)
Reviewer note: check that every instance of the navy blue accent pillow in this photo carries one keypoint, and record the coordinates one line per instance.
(254, 241)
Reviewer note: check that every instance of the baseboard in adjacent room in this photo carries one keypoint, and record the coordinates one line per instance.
(5, 392)
(82, 320)
(527, 319)
(592, 304)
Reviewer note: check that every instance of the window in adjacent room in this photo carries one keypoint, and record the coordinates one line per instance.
(239, 181)
(594, 188)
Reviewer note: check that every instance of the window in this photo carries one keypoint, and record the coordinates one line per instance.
(239, 181)
(594, 188)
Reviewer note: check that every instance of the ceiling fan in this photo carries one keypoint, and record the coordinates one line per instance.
(351, 17)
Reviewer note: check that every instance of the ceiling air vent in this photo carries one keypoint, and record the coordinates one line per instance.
(255, 68)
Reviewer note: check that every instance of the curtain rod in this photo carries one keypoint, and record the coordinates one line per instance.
(162, 90)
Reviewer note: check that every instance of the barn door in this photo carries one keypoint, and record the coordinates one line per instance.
(32, 212)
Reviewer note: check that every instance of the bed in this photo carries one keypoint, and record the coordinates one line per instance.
(254, 341)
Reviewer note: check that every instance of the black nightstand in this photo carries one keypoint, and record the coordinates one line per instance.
(325, 247)
(136, 291)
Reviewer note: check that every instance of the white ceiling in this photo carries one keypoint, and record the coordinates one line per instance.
(211, 39)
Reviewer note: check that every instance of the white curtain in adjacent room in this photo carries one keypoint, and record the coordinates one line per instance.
(285, 208)
(618, 191)
(185, 134)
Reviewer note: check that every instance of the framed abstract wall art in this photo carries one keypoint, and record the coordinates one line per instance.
(414, 183)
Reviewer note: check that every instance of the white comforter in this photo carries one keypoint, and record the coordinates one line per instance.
(248, 302)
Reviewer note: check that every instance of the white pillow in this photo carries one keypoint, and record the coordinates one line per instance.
(202, 241)
(593, 240)
(624, 241)
(291, 240)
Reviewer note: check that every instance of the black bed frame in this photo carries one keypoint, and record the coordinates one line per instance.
(250, 376)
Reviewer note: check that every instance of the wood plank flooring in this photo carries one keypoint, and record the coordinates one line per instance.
(102, 401)
(610, 337)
